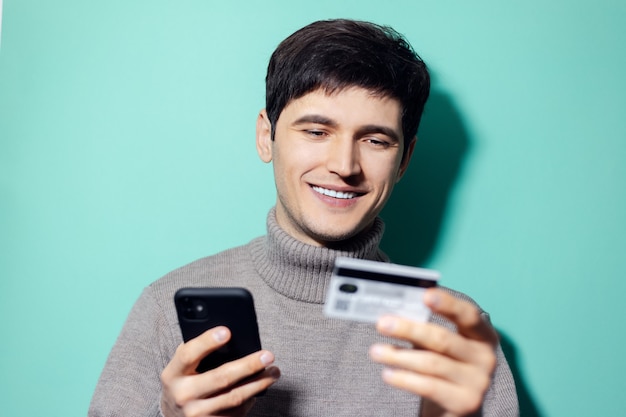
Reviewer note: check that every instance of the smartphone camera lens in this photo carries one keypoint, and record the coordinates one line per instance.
(194, 309)
(200, 309)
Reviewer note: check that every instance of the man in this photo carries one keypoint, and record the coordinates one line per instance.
(344, 101)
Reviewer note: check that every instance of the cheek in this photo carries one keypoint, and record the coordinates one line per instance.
(384, 172)
(288, 169)
(295, 158)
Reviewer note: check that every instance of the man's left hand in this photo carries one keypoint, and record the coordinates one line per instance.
(450, 371)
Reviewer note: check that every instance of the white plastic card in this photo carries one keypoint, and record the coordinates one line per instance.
(363, 290)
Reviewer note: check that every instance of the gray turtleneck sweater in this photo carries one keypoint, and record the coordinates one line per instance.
(324, 362)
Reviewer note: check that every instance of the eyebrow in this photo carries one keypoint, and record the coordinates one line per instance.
(317, 119)
(363, 130)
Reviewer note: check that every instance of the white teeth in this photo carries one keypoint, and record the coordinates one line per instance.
(333, 193)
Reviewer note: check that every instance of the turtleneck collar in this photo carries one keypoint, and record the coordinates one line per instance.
(301, 271)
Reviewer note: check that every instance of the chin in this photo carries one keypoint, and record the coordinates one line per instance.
(335, 235)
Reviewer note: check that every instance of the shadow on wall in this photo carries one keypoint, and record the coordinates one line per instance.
(415, 214)
(527, 406)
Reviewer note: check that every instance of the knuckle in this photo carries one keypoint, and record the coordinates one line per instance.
(172, 386)
(491, 361)
(184, 355)
(487, 358)
(484, 384)
(191, 410)
(166, 377)
(235, 398)
(186, 358)
(469, 404)
(221, 379)
(430, 362)
(473, 398)
(474, 402)
(181, 395)
(429, 390)
(441, 340)
(180, 348)
(473, 318)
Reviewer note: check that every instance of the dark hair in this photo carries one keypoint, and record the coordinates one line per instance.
(337, 54)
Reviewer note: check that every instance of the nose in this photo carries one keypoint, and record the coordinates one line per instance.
(343, 157)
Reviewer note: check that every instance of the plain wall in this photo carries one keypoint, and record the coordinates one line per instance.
(127, 150)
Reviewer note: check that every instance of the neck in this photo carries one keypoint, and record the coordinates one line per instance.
(301, 271)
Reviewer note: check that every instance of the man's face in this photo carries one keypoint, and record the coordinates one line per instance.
(336, 159)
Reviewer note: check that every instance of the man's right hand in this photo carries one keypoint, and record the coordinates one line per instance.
(219, 391)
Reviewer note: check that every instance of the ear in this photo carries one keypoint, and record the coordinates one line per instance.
(406, 158)
(264, 137)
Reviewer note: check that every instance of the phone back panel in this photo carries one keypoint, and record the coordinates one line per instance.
(200, 309)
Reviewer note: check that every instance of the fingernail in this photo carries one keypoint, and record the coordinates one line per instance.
(376, 351)
(220, 335)
(387, 373)
(274, 373)
(432, 298)
(267, 358)
(387, 323)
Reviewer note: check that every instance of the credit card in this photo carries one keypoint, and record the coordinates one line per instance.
(363, 290)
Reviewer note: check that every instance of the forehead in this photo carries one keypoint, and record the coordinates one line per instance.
(347, 105)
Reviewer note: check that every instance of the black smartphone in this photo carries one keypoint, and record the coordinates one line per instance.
(200, 309)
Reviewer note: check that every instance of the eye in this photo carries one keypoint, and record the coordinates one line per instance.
(315, 133)
(378, 143)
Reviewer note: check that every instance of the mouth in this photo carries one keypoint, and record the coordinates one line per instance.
(342, 195)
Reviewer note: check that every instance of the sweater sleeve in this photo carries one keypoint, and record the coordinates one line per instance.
(501, 398)
(130, 381)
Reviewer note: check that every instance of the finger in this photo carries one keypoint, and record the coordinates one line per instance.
(188, 355)
(457, 399)
(259, 382)
(219, 380)
(430, 364)
(429, 336)
(234, 401)
(465, 315)
(240, 411)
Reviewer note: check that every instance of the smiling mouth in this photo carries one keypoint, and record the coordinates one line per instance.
(335, 194)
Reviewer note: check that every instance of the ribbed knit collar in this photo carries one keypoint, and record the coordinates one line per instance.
(301, 271)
